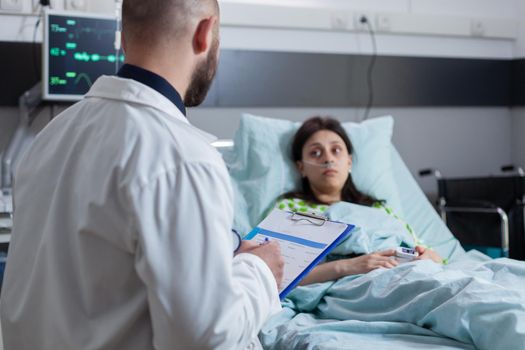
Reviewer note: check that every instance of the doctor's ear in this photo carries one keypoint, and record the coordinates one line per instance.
(123, 42)
(203, 37)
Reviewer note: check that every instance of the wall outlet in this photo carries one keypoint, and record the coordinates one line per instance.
(12, 5)
(363, 21)
(477, 28)
(384, 23)
(340, 21)
(76, 5)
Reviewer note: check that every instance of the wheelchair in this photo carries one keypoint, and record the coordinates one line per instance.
(485, 213)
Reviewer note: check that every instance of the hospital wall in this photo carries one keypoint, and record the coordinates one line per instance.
(520, 43)
(518, 113)
(460, 141)
(457, 141)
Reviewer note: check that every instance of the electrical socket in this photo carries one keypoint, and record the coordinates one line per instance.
(12, 5)
(340, 21)
(77, 5)
(477, 28)
(384, 23)
(363, 26)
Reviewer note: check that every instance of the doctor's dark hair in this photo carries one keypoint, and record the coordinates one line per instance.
(349, 193)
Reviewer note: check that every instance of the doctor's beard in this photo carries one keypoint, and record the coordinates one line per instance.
(202, 78)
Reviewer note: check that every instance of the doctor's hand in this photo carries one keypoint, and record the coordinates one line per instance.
(426, 253)
(270, 253)
(246, 246)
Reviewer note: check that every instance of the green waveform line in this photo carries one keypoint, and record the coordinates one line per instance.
(85, 77)
(85, 57)
(79, 31)
(76, 31)
(59, 81)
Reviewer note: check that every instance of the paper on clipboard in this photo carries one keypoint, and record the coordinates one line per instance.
(304, 242)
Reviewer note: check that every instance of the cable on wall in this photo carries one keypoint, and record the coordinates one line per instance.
(43, 4)
(35, 51)
(370, 69)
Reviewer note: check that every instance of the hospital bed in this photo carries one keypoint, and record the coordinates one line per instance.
(261, 170)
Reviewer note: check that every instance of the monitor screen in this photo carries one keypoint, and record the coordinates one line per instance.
(77, 49)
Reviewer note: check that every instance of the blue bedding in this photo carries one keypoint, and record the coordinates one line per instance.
(473, 302)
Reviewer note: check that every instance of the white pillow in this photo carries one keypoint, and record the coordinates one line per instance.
(261, 167)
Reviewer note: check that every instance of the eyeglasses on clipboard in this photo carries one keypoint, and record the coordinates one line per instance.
(314, 219)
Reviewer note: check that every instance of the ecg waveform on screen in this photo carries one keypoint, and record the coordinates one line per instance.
(76, 79)
(79, 51)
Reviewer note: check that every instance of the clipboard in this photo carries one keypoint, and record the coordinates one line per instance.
(305, 240)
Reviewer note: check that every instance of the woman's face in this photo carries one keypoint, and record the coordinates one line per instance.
(325, 147)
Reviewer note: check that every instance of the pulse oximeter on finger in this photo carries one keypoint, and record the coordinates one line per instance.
(406, 254)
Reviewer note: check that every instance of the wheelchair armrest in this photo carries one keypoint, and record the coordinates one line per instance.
(430, 171)
(483, 210)
(470, 204)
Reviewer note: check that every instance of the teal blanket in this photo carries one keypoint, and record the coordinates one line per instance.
(375, 230)
(472, 303)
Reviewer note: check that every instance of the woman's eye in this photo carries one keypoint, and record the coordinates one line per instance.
(337, 150)
(315, 154)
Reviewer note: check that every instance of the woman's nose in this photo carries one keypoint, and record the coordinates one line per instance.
(328, 157)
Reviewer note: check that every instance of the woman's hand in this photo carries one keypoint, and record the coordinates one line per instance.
(367, 263)
(334, 270)
(428, 254)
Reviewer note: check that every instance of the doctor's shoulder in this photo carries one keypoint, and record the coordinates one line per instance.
(156, 147)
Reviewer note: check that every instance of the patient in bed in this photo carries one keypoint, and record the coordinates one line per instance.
(322, 153)
(364, 302)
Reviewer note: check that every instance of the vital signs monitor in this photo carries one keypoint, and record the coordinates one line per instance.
(77, 49)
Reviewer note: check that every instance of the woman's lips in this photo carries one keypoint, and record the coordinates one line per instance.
(330, 172)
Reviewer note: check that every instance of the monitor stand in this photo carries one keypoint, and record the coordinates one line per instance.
(22, 137)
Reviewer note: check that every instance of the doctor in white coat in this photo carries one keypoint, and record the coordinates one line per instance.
(123, 210)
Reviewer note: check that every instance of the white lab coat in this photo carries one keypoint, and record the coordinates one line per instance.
(121, 236)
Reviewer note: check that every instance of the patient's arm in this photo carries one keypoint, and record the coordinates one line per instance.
(333, 270)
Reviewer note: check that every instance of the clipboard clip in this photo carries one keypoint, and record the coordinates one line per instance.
(317, 220)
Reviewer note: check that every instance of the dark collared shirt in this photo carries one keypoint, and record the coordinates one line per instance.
(154, 81)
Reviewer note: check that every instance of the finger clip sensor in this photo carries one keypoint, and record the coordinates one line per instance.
(404, 255)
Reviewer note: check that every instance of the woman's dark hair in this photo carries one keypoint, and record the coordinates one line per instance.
(349, 192)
